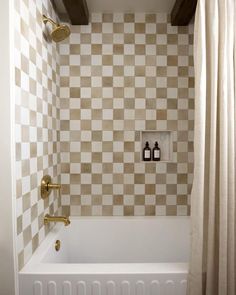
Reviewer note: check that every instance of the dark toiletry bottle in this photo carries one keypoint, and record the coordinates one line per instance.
(147, 152)
(156, 152)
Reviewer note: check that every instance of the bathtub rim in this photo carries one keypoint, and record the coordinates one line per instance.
(36, 266)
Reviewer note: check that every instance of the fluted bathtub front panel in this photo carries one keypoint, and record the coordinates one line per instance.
(174, 284)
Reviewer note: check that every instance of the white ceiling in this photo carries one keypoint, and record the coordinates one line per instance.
(125, 5)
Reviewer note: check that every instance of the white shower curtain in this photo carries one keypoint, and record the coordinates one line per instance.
(213, 260)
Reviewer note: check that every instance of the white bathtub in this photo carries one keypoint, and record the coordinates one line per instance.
(111, 256)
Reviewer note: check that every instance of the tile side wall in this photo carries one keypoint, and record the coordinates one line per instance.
(36, 123)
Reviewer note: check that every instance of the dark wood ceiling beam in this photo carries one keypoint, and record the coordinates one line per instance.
(182, 12)
(77, 11)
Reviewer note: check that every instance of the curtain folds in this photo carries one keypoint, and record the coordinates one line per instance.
(213, 260)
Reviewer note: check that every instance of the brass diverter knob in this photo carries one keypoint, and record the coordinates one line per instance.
(47, 186)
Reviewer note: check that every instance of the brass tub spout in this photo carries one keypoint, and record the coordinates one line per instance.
(48, 218)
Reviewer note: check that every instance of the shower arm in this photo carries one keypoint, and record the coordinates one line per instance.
(47, 19)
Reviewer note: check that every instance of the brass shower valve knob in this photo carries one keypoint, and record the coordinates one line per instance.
(47, 186)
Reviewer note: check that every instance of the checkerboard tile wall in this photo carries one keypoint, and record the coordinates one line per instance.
(122, 74)
(36, 123)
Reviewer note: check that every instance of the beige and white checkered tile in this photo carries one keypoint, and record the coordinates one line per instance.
(122, 74)
(36, 123)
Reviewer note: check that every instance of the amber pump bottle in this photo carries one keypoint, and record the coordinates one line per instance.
(156, 152)
(147, 155)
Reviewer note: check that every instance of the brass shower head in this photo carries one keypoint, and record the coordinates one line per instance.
(59, 31)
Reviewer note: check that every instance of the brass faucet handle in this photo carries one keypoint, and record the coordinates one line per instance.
(47, 186)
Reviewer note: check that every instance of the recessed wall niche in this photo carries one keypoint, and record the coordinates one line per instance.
(165, 142)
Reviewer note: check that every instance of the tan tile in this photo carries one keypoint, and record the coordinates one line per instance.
(96, 49)
(19, 225)
(171, 210)
(139, 178)
(162, 93)
(107, 81)
(75, 178)
(161, 200)
(25, 168)
(85, 38)
(20, 260)
(66, 210)
(96, 27)
(118, 71)
(96, 178)
(74, 71)
(129, 17)
(161, 28)
(149, 210)
(150, 18)
(161, 114)
(172, 38)
(118, 200)
(86, 210)
(151, 39)
(107, 189)
(27, 235)
(129, 189)
(35, 242)
(128, 210)
(182, 200)
(139, 200)
(97, 200)
(75, 200)
(85, 189)
(129, 38)
(183, 71)
(107, 210)
(107, 38)
(149, 189)
(118, 28)
(171, 189)
(139, 28)
(118, 49)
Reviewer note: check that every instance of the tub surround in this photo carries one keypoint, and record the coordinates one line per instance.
(79, 110)
(36, 123)
(122, 74)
